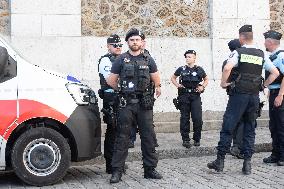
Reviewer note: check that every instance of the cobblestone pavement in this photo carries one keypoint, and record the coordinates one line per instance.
(178, 173)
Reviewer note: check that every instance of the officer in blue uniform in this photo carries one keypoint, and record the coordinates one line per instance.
(189, 88)
(136, 73)
(276, 104)
(110, 98)
(244, 101)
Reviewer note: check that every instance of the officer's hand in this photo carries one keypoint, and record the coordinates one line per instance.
(180, 86)
(224, 85)
(200, 89)
(158, 91)
(278, 100)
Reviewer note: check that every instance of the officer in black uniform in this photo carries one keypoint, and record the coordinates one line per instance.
(276, 104)
(189, 88)
(134, 129)
(244, 101)
(238, 132)
(110, 98)
(136, 73)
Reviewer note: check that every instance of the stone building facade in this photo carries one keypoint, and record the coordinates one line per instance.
(164, 18)
(4, 17)
(277, 15)
(69, 36)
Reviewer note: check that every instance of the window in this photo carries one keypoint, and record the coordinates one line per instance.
(8, 66)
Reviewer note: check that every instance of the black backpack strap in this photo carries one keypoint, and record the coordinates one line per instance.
(274, 56)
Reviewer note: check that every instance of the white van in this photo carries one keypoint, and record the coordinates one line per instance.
(47, 120)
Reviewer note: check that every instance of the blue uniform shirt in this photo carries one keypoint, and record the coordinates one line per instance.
(279, 63)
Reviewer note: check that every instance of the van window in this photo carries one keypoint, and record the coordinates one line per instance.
(8, 66)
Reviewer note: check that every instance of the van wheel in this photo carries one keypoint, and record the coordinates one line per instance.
(41, 156)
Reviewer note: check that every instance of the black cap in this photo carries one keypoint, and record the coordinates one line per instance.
(134, 32)
(234, 44)
(272, 34)
(189, 52)
(113, 39)
(245, 28)
(142, 36)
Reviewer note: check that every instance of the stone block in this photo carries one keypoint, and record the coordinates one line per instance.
(46, 6)
(253, 9)
(25, 25)
(224, 28)
(61, 25)
(61, 54)
(224, 9)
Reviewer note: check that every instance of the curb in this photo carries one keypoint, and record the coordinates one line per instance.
(174, 154)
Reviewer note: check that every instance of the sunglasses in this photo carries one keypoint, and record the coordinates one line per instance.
(116, 45)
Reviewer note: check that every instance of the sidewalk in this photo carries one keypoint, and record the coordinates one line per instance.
(170, 146)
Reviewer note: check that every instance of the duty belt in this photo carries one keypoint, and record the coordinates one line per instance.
(185, 90)
(274, 91)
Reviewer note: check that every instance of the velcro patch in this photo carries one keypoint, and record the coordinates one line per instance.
(251, 59)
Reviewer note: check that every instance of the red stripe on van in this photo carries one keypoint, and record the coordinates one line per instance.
(8, 114)
(30, 109)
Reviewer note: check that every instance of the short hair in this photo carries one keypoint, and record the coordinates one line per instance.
(248, 36)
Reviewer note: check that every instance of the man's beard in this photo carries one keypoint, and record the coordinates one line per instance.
(135, 48)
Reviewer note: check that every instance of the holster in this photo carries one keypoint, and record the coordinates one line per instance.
(147, 101)
(176, 103)
(101, 93)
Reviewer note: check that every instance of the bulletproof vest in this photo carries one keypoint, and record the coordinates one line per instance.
(278, 80)
(250, 65)
(190, 78)
(103, 83)
(135, 75)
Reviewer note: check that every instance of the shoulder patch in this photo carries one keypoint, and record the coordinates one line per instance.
(231, 55)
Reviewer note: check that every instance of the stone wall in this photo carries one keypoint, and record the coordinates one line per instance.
(4, 17)
(277, 15)
(165, 18)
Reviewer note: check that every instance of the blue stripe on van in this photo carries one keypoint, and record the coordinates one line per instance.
(73, 79)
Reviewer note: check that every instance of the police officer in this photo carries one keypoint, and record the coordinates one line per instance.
(110, 98)
(135, 72)
(244, 101)
(276, 105)
(134, 129)
(238, 132)
(189, 89)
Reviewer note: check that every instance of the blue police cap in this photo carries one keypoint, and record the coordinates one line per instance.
(113, 39)
(245, 28)
(234, 44)
(189, 52)
(134, 32)
(272, 34)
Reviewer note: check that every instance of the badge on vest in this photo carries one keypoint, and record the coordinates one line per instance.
(194, 74)
(130, 85)
(126, 60)
(107, 68)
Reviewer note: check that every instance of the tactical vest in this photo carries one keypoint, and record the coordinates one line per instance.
(250, 65)
(190, 78)
(278, 80)
(134, 75)
(103, 83)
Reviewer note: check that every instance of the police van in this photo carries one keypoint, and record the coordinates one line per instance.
(47, 120)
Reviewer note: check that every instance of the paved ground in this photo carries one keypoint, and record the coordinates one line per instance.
(178, 173)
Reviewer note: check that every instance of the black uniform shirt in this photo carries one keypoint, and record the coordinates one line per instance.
(200, 71)
(117, 65)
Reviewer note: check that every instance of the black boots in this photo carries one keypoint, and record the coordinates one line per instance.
(151, 173)
(270, 159)
(196, 143)
(217, 165)
(116, 176)
(246, 167)
(108, 166)
(186, 143)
